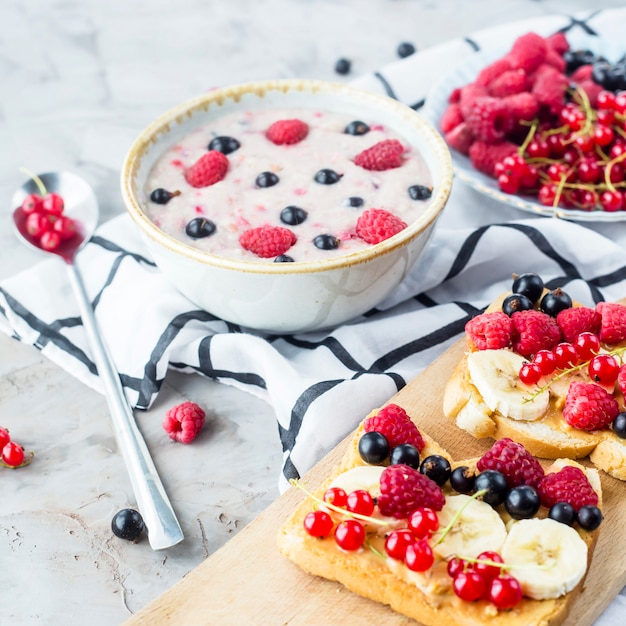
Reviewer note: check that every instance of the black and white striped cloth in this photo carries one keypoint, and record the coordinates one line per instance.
(319, 384)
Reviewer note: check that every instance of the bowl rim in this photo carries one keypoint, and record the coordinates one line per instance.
(177, 114)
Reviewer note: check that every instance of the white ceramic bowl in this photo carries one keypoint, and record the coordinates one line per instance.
(287, 297)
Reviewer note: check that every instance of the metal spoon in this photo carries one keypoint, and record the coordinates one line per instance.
(82, 206)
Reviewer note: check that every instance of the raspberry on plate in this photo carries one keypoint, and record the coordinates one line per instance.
(376, 225)
(589, 407)
(576, 320)
(567, 485)
(514, 461)
(460, 138)
(403, 489)
(535, 331)
(287, 132)
(209, 169)
(528, 52)
(184, 421)
(393, 422)
(384, 155)
(267, 241)
(491, 331)
(613, 322)
(509, 83)
(484, 155)
(489, 119)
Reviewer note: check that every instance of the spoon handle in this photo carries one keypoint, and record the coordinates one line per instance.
(163, 528)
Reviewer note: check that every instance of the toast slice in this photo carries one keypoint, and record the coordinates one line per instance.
(477, 397)
(427, 596)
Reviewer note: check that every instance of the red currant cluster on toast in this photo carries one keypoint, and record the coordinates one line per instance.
(544, 123)
(12, 454)
(419, 504)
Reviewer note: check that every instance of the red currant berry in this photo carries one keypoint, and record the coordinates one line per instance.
(605, 117)
(350, 535)
(485, 569)
(397, 542)
(336, 496)
(603, 135)
(469, 586)
(589, 170)
(620, 103)
(617, 149)
(605, 101)
(587, 345)
(318, 523)
(361, 502)
(4, 437)
(538, 149)
(455, 566)
(547, 195)
(423, 522)
(603, 369)
(13, 454)
(53, 203)
(31, 203)
(50, 240)
(585, 143)
(565, 355)
(546, 361)
(419, 556)
(611, 201)
(558, 144)
(36, 224)
(65, 226)
(587, 199)
(530, 373)
(508, 183)
(505, 591)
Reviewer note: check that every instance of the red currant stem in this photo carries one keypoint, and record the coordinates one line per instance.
(338, 509)
(376, 551)
(583, 99)
(563, 373)
(609, 167)
(559, 189)
(529, 137)
(26, 461)
(620, 131)
(42, 188)
(456, 517)
(504, 566)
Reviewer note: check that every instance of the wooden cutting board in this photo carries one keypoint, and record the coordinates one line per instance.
(248, 581)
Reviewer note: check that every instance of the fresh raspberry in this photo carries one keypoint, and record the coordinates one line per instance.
(287, 132)
(184, 421)
(549, 87)
(512, 459)
(455, 96)
(582, 73)
(491, 331)
(528, 52)
(567, 485)
(522, 106)
(589, 407)
(384, 155)
(376, 225)
(558, 42)
(209, 169)
(576, 320)
(468, 95)
(490, 72)
(451, 118)
(613, 324)
(489, 119)
(403, 489)
(460, 138)
(535, 331)
(267, 241)
(484, 156)
(555, 60)
(393, 422)
(509, 83)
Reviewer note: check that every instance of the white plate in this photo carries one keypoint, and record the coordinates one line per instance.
(608, 43)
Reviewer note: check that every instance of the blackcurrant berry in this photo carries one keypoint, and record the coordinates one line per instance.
(437, 468)
(420, 192)
(589, 517)
(200, 227)
(326, 242)
(327, 177)
(283, 258)
(405, 49)
(522, 502)
(163, 196)
(563, 512)
(224, 144)
(343, 66)
(555, 301)
(619, 425)
(355, 202)
(373, 447)
(266, 179)
(127, 524)
(293, 215)
(357, 128)
(495, 484)
(462, 480)
(516, 302)
(405, 454)
(529, 285)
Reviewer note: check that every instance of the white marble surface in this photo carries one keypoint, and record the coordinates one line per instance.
(79, 80)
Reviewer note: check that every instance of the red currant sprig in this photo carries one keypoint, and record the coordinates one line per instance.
(12, 454)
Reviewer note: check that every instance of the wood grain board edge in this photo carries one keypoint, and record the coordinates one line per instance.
(248, 581)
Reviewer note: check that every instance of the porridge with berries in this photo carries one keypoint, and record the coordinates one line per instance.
(287, 185)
